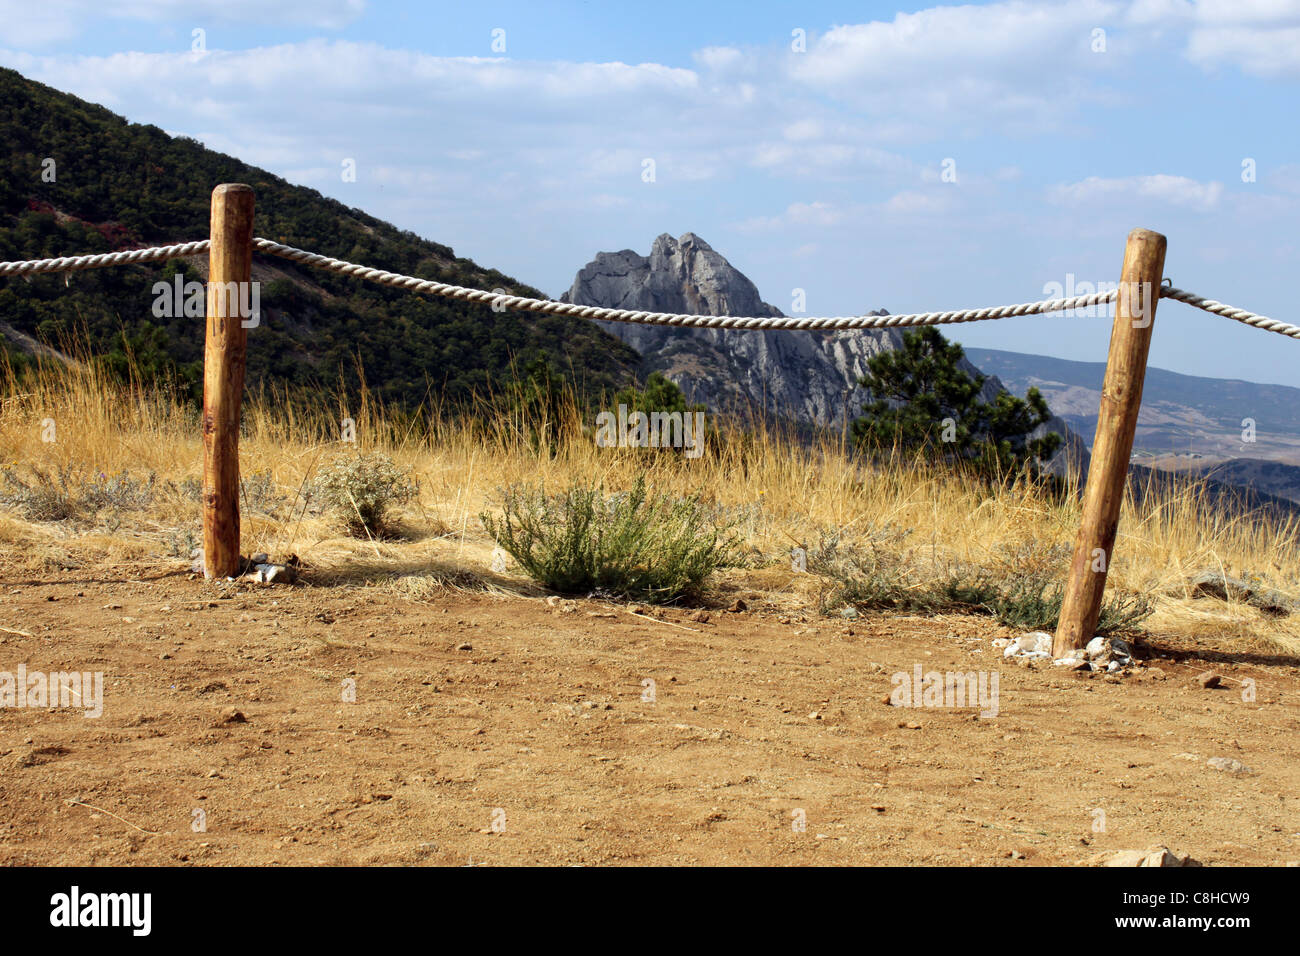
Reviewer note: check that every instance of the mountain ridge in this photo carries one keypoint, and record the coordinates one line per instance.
(1182, 415)
(116, 184)
(808, 377)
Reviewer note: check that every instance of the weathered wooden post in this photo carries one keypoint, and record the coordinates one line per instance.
(1121, 397)
(230, 273)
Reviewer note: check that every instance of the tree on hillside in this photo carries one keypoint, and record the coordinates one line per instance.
(924, 401)
(660, 394)
(543, 404)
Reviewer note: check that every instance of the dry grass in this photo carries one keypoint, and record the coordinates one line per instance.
(780, 494)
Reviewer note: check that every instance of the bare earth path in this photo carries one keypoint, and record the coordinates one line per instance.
(537, 728)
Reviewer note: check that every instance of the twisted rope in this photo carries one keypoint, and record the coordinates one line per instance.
(77, 263)
(412, 284)
(500, 301)
(1231, 312)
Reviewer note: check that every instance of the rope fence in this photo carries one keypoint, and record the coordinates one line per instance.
(678, 320)
(230, 250)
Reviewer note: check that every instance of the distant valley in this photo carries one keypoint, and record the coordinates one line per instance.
(1188, 423)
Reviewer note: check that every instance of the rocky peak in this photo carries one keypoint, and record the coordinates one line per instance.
(806, 376)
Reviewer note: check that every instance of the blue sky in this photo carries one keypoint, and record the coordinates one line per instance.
(1065, 123)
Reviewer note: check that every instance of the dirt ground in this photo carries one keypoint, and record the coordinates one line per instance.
(503, 730)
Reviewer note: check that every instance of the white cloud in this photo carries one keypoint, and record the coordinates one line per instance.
(718, 57)
(27, 24)
(1011, 63)
(916, 203)
(804, 129)
(1260, 37)
(1262, 52)
(1174, 190)
(815, 215)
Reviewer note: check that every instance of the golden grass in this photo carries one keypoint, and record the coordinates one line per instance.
(783, 495)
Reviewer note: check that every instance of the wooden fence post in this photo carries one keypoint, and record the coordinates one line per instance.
(230, 273)
(1121, 397)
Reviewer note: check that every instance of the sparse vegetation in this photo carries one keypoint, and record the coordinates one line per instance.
(1022, 590)
(70, 493)
(1034, 603)
(361, 490)
(964, 541)
(632, 544)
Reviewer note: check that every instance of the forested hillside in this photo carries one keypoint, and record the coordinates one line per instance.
(75, 178)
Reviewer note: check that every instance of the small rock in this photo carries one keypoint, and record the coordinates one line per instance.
(464, 647)
(849, 612)
(1213, 583)
(1036, 644)
(1152, 856)
(700, 617)
(283, 573)
(738, 605)
(1271, 602)
(1071, 658)
(233, 716)
(272, 573)
(1015, 855)
(1228, 765)
(1209, 679)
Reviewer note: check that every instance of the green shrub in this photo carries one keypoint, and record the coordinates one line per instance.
(875, 576)
(67, 493)
(360, 489)
(633, 544)
(870, 577)
(258, 493)
(1034, 603)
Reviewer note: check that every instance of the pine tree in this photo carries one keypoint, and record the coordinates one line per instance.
(924, 401)
(660, 394)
